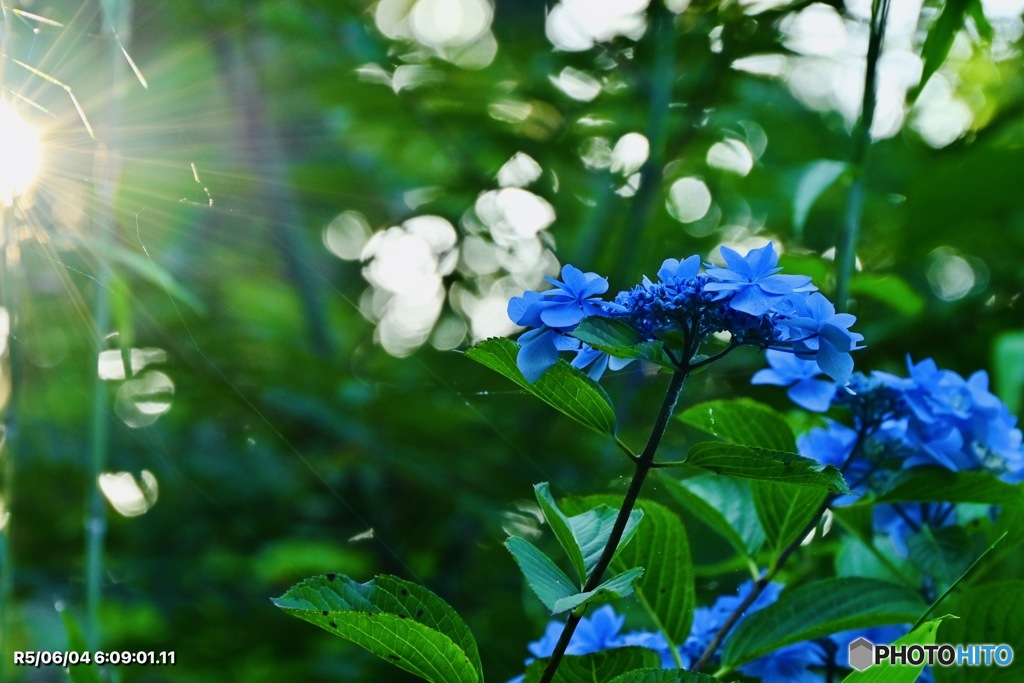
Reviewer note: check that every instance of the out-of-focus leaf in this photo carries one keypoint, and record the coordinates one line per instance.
(940, 39)
(1008, 369)
(815, 178)
(891, 290)
(935, 484)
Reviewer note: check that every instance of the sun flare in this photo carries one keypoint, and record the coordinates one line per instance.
(20, 154)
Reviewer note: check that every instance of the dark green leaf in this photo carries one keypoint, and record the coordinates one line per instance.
(562, 528)
(597, 667)
(1007, 370)
(619, 339)
(549, 583)
(818, 608)
(618, 587)
(763, 464)
(742, 421)
(663, 676)
(941, 553)
(989, 613)
(399, 621)
(724, 504)
(661, 547)
(935, 484)
(886, 672)
(785, 511)
(563, 387)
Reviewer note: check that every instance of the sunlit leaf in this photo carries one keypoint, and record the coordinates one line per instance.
(888, 673)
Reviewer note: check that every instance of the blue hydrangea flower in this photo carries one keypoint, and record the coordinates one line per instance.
(900, 521)
(822, 334)
(753, 280)
(599, 631)
(574, 298)
(800, 376)
(598, 361)
(790, 664)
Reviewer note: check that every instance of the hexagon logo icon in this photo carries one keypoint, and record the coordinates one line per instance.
(862, 654)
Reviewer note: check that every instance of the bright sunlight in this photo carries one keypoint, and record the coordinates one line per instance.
(21, 155)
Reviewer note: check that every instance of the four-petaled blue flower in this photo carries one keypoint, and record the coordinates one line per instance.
(753, 280)
(819, 333)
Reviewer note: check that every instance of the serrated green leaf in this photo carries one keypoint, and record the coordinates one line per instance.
(742, 421)
(663, 676)
(785, 511)
(886, 672)
(724, 504)
(561, 527)
(596, 667)
(760, 463)
(618, 587)
(818, 608)
(661, 547)
(936, 484)
(399, 621)
(549, 583)
(941, 553)
(584, 536)
(563, 387)
(989, 613)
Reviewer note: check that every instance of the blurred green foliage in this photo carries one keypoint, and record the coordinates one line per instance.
(292, 434)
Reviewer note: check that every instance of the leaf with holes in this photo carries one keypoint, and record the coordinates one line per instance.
(399, 621)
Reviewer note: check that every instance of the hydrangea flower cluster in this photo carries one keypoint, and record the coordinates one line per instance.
(933, 417)
(798, 663)
(749, 299)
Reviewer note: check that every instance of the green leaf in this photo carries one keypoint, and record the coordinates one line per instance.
(936, 484)
(561, 527)
(977, 13)
(399, 621)
(663, 676)
(1008, 371)
(619, 339)
(940, 39)
(763, 464)
(815, 178)
(584, 536)
(147, 269)
(785, 511)
(661, 547)
(989, 613)
(725, 505)
(563, 387)
(888, 673)
(742, 421)
(80, 673)
(941, 553)
(891, 290)
(618, 587)
(546, 580)
(598, 666)
(818, 608)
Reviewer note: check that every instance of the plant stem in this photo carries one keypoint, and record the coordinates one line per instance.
(107, 172)
(759, 586)
(644, 464)
(8, 441)
(846, 249)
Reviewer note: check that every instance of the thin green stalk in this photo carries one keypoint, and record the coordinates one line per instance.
(644, 464)
(846, 249)
(116, 27)
(7, 449)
